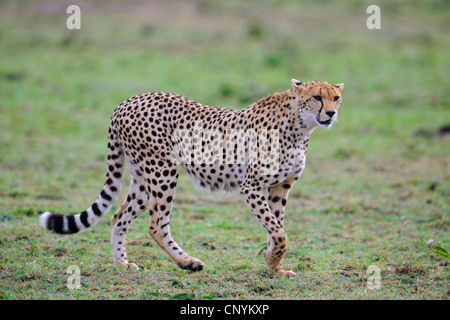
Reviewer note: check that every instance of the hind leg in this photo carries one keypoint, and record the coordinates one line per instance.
(162, 183)
(135, 203)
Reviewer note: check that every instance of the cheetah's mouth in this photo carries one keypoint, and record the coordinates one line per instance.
(325, 123)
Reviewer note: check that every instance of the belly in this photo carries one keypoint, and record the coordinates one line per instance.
(216, 177)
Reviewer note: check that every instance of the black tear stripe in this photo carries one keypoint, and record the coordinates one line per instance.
(320, 110)
(321, 104)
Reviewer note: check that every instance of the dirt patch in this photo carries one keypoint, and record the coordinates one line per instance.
(411, 271)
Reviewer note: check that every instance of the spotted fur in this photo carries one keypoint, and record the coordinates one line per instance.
(142, 136)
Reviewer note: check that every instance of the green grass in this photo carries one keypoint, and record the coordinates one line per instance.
(375, 188)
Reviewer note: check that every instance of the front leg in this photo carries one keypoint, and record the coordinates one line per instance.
(278, 196)
(254, 197)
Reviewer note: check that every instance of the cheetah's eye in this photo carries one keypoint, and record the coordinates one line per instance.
(336, 98)
(318, 98)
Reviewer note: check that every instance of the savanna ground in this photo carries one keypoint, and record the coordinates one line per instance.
(374, 191)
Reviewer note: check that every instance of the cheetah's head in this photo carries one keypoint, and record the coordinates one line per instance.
(319, 101)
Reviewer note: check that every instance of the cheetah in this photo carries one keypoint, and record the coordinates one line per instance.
(150, 134)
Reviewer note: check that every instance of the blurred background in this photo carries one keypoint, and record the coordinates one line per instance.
(58, 87)
(386, 161)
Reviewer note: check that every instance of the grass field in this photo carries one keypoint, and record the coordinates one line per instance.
(374, 192)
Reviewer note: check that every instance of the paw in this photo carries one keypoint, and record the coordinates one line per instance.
(191, 264)
(128, 266)
(283, 273)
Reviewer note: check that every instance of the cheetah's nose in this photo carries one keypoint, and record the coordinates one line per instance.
(330, 113)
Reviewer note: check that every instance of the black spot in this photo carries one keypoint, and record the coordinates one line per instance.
(105, 196)
(95, 209)
(83, 219)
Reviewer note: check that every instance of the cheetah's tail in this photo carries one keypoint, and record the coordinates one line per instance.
(73, 223)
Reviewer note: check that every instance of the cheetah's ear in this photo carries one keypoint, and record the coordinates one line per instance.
(296, 84)
(340, 86)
